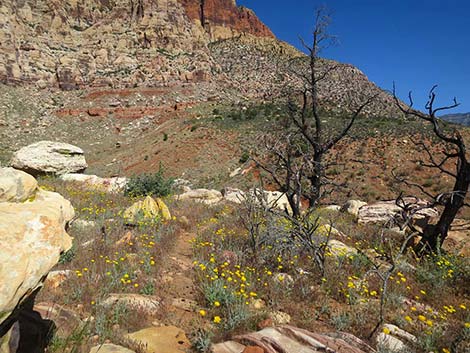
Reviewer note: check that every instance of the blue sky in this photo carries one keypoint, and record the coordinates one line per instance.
(415, 43)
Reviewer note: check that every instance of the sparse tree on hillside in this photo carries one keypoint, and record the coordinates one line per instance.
(454, 163)
(298, 154)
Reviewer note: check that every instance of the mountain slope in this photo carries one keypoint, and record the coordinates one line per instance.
(458, 118)
(94, 43)
(83, 44)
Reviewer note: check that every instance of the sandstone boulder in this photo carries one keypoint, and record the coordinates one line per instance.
(389, 212)
(147, 209)
(274, 199)
(49, 157)
(234, 195)
(133, 302)
(66, 320)
(111, 185)
(339, 249)
(228, 347)
(208, 197)
(352, 207)
(335, 208)
(32, 237)
(458, 238)
(168, 339)
(289, 339)
(394, 340)
(15, 185)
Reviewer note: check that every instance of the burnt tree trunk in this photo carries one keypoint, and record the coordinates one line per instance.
(316, 180)
(435, 235)
(202, 14)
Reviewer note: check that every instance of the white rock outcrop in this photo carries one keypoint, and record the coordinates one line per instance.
(352, 207)
(206, 196)
(421, 212)
(88, 181)
(49, 157)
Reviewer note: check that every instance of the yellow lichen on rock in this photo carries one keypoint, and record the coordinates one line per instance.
(164, 210)
(147, 209)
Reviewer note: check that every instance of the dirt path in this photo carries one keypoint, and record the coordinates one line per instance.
(179, 294)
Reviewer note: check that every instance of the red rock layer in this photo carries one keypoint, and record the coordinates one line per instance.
(226, 13)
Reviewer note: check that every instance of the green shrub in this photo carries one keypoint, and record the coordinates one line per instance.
(244, 157)
(149, 184)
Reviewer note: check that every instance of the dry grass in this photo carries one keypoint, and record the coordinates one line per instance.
(243, 278)
(346, 297)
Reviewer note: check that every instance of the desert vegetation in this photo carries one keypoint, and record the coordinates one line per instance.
(248, 195)
(253, 266)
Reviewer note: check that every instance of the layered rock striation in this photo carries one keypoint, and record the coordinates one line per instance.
(98, 44)
(95, 43)
(223, 19)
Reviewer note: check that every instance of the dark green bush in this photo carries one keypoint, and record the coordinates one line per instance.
(149, 184)
(244, 157)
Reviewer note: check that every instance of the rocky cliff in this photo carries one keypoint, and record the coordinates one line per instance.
(82, 44)
(224, 19)
(91, 43)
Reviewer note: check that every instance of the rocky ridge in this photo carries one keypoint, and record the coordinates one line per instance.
(93, 43)
(153, 43)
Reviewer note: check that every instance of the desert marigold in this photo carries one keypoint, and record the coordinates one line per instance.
(217, 319)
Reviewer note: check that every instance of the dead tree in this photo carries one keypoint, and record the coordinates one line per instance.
(455, 155)
(299, 152)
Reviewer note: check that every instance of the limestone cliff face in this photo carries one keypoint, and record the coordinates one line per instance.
(224, 19)
(93, 43)
(72, 44)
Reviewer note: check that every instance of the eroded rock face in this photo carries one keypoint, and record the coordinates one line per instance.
(224, 19)
(32, 237)
(15, 185)
(49, 157)
(70, 44)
